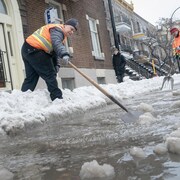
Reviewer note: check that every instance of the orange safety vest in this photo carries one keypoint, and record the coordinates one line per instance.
(175, 44)
(41, 38)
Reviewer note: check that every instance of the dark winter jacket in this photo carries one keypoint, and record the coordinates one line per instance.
(57, 38)
(119, 63)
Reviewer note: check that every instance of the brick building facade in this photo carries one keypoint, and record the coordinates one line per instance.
(90, 45)
(100, 69)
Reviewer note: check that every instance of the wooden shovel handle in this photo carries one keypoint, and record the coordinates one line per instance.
(98, 87)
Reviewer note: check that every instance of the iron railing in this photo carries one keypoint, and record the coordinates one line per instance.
(139, 68)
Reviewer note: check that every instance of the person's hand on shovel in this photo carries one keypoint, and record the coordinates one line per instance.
(65, 60)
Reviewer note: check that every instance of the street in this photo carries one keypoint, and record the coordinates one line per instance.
(58, 148)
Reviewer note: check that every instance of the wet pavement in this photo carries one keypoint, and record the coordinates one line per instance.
(57, 149)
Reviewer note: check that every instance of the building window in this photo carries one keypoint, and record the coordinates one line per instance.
(58, 10)
(54, 15)
(101, 80)
(68, 83)
(3, 9)
(95, 38)
(54, 12)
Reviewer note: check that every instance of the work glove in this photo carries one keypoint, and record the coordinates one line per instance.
(57, 68)
(65, 60)
(57, 65)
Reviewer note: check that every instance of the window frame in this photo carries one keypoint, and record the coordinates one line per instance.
(56, 5)
(60, 9)
(4, 8)
(96, 47)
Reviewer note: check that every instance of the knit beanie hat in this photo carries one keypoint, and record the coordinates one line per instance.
(173, 30)
(72, 22)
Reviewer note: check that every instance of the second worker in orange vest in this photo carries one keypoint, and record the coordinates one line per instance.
(42, 53)
(176, 45)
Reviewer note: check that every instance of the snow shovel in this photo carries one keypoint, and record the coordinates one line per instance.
(168, 78)
(129, 116)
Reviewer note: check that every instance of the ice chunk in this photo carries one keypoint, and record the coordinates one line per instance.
(176, 104)
(146, 118)
(94, 170)
(173, 145)
(175, 133)
(176, 93)
(6, 174)
(160, 149)
(145, 107)
(137, 152)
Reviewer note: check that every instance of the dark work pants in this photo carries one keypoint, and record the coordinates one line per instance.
(39, 64)
(119, 71)
(178, 63)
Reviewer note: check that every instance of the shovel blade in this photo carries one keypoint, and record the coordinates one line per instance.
(131, 117)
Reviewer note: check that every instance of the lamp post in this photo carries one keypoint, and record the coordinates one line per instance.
(113, 24)
(173, 15)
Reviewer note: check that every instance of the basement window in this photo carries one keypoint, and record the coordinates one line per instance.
(101, 80)
(68, 83)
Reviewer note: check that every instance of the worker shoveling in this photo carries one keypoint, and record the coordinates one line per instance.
(129, 117)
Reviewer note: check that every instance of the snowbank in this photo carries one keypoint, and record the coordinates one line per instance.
(18, 109)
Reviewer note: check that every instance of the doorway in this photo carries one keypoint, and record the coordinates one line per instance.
(5, 77)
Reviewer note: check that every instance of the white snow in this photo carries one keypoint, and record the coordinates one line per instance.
(173, 145)
(145, 107)
(172, 141)
(176, 93)
(175, 133)
(17, 109)
(137, 152)
(146, 118)
(175, 105)
(160, 149)
(94, 170)
(6, 174)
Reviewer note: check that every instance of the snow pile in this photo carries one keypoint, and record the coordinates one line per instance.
(171, 144)
(176, 93)
(145, 107)
(160, 149)
(6, 174)
(137, 152)
(175, 105)
(146, 118)
(20, 109)
(94, 170)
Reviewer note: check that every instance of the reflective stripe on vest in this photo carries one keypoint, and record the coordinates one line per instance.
(44, 42)
(176, 44)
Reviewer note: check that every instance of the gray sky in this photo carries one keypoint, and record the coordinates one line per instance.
(152, 10)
